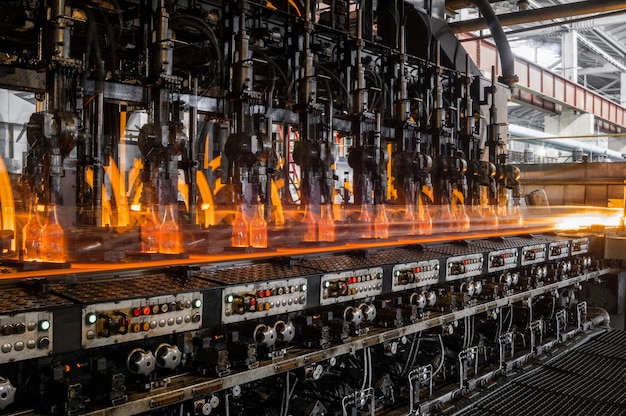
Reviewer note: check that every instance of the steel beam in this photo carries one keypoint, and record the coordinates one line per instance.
(539, 84)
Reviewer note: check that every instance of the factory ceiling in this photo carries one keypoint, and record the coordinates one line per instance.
(537, 27)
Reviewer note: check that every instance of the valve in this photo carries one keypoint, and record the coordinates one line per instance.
(140, 362)
(168, 356)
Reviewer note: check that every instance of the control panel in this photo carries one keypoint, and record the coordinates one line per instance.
(350, 285)
(468, 265)
(25, 335)
(533, 254)
(500, 260)
(260, 299)
(580, 246)
(558, 250)
(415, 274)
(134, 319)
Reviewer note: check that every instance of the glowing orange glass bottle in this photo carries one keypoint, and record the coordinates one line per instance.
(169, 241)
(258, 229)
(327, 224)
(52, 238)
(150, 232)
(31, 236)
(240, 232)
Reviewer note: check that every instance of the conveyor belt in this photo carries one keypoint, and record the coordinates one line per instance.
(588, 380)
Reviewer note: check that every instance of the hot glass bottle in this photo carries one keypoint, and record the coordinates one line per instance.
(381, 222)
(461, 219)
(424, 220)
(150, 232)
(258, 229)
(53, 238)
(169, 241)
(240, 232)
(310, 233)
(327, 224)
(365, 220)
(409, 220)
(32, 236)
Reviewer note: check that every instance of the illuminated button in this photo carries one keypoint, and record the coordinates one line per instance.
(261, 293)
(136, 327)
(145, 326)
(230, 298)
(91, 318)
(31, 343)
(6, 348)
(146, 310)
(19, 346)
(267, 306)
(44, 325)
(43, 343)
(303, 287)
(136, 312)
(197, 303)
(327, 284)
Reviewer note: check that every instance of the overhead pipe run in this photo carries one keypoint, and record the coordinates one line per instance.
(507, 59)
(567, 143)
(538, 15)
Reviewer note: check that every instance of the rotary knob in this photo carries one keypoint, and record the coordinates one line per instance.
(140, 362)
(286, 331)
(265, 335)
(168, 356)
(7, 393)
(369, 311)
(353, 315)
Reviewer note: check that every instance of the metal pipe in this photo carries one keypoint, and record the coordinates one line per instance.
(506, 55)
(538, 15)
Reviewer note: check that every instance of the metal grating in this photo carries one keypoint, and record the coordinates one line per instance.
(452, 249)
(404, 256)
(588, 380)
(16, 299)
(135, 287)
(254, 273)
(506, 242)
(339, 263)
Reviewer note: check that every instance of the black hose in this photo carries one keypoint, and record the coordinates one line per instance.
(507, 59)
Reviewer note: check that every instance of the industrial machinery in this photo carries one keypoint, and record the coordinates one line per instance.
(267, 208)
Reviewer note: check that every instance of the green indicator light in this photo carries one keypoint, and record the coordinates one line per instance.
(197, 303)
(230, 298)
(91, 318)
(44, 325)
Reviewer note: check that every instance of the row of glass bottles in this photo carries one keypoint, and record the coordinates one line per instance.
(249, 234)
(319, 229)
(160, 236)
(43, 242)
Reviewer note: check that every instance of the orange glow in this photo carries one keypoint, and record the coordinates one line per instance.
(119, 194)
(208, 205)
(6, 202)
(53, 238)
